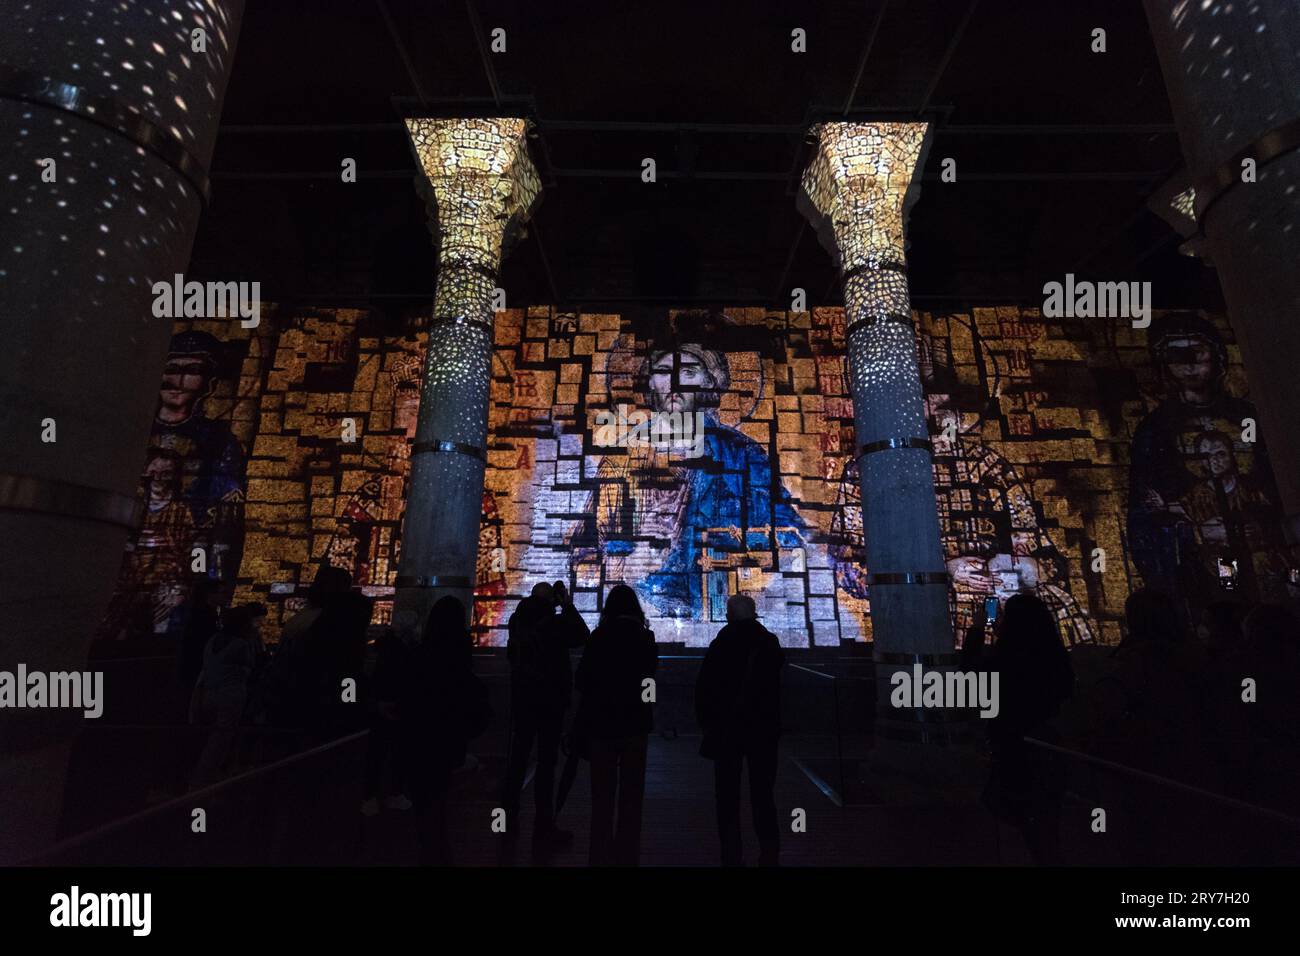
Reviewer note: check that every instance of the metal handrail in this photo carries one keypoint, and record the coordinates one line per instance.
(186, 799)
(839, 730)
(1275, 815)
(800, 667)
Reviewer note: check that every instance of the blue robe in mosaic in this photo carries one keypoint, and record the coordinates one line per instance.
(734, 504)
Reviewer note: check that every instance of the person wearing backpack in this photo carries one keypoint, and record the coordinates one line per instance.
(738, 706)
(542, 630)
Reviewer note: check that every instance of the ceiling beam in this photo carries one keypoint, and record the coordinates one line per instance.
(773, 129)
(947, 56)
(401, 51)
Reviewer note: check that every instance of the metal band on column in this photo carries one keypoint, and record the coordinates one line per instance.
(886, 444)
(866, 321)
(1227, 175)
(438, 446)
(925, 660)
(907, 577)
(441, 320)
(52, 497)
(433, 581)
(886, 265)
(16, 84)
(486, 271)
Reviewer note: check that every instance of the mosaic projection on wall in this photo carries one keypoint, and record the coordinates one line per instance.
(1053, 439)
(193, 483)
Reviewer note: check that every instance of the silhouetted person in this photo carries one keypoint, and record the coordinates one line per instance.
(1158, 695)
(1155, 709)
(222, 689)
(258, 611)
(1271, 659)
(973, 649)
(542, 630)
(383, 746)
(1027, 783)
(328, 582)
(336, 643)
(255, 705)
(738, 705)
(294, 674)
(442, 706)
(201, 614)
(1219, 639)
(328, 651)
(1271, 636)
(617, 718)
(1219, 630)
(202, 620)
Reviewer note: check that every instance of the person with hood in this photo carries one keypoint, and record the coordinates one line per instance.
(738, 705)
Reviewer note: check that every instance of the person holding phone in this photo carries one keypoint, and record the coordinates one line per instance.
(972, 645)
(542, 630)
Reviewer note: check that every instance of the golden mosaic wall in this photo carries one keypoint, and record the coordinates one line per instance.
(1033, 421)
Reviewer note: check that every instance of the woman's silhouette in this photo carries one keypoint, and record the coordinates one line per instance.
(615, 718)
(1027, 783)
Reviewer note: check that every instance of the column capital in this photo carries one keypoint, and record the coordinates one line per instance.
(859, 186)
(1175, 201)
(479, 183)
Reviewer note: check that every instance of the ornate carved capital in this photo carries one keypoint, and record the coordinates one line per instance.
(479, 183)
(858, 189)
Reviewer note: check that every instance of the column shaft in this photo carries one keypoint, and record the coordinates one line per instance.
(1233, 77)
(857, 191)
(125, 107)
(900, 522)
(480, 185)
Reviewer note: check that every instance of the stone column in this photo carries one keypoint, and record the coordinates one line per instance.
(118, 98)
(480, 186)
(857, 191)
(1233, 76)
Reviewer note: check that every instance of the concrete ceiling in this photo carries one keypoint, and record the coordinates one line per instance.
(1057, 147)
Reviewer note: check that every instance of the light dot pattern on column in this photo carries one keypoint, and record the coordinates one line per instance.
(859, 177)
(479, 183)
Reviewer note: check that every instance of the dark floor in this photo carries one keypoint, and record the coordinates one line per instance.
(868, 802)
(678, 824)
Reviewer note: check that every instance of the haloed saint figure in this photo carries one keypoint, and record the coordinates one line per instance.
(677, 515)
(993, 533)
(193, 490)
(1202, 517)
(367, 530)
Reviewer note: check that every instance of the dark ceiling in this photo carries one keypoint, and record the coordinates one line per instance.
(1057, 148)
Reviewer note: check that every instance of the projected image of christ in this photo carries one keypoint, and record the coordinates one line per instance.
(676, 516)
